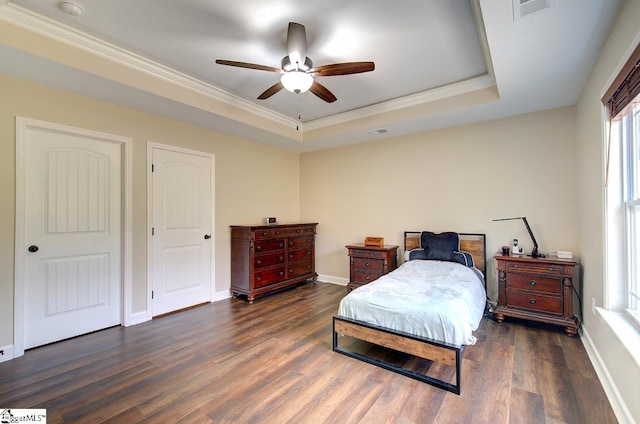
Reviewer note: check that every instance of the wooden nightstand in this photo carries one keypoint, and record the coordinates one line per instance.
(537, 289)
(367, 263)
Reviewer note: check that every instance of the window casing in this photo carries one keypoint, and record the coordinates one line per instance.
(630, 133)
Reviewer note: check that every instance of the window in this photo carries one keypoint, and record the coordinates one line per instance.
(630, 134)
(623, 189)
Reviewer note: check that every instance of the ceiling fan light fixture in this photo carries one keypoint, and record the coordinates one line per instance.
(296, 81)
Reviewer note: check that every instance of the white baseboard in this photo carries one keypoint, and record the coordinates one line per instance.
(617, 403)
(333, 280)
(7, 353)
(225, 294)
(137, 318)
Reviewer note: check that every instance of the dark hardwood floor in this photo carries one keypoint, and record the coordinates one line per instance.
(271, 362)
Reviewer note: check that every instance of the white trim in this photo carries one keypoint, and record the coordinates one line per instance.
(608, 384)
(7, 353)
(47, 27)
(333, 280)
(137, 318)
(217, 296)
(126, 249)
(153, 145)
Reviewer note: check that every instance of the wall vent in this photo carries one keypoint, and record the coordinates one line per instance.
(522, 8)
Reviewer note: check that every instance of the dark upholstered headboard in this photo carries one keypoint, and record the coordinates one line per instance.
(473, 243)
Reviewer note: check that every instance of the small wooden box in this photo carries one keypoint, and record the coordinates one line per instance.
(374, 241)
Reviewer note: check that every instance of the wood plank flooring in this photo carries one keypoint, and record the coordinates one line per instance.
(271, 362)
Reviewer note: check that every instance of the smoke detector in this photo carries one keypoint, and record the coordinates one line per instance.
(71, 7)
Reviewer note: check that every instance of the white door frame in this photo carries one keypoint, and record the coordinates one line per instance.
(153, 145)
(22, 124)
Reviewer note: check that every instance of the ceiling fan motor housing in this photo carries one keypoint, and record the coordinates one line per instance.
(288, 66)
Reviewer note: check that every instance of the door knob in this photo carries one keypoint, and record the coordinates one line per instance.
(33, 248)
(207, 236)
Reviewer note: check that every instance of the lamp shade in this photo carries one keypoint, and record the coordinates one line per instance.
(296, 81)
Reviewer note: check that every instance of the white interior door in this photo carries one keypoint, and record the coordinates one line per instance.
(181, 230)
(72, 233)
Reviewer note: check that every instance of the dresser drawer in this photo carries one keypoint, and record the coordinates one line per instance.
(262, 234)
(299, 268)
(538, 268)
(534, 282)
(269, 276)
(290, 231)
(262, 261)
(534, 301)
(368, 265)
(299, 255)
(300, 243)
(268, 245)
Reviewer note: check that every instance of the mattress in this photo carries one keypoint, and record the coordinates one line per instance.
(438, 300)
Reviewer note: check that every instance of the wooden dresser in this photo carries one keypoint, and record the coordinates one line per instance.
(538, 289)
(367, 263)
(265, 258)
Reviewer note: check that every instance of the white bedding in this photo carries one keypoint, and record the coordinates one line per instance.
(443, 301)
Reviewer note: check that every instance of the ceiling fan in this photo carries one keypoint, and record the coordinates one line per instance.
(297, 68)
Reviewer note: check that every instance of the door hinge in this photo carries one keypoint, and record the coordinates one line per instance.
(153, 231)
(153, 167)
(152, 293)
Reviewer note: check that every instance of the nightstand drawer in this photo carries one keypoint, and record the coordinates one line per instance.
(536, 302)
(367, 253)
(368, 265)
(534, 267)
(534, 282)
(364, 277)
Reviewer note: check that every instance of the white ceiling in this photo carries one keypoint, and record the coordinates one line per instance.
(438, 62)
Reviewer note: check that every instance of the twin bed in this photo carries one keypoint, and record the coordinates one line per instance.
(427, 308)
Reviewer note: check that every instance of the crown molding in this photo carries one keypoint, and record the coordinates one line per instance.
(55, 30)
(47, 27)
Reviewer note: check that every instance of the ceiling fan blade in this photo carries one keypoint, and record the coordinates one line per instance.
(297, 43)
(346, 68)
(322, 92)
(271, 91)
(248, 65)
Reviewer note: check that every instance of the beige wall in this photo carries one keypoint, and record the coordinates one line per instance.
(617, 360)
(252, 180)
(453, 179)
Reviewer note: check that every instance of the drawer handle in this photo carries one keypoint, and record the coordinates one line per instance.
(281, 245)
(290, 256)
(258, 262)
(308, 252)
(551, 269)
(532, 301)
(277, 232)
(258, 247)
(368, 277)
(290, 243)
(291, 271)
(532, 283)
(515, 266)
(367, 264)
(281, 272)
(298, 230)
(264, 233)
(308, 266)
(258, 278)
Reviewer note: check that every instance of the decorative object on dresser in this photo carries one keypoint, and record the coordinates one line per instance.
(537, 289)
(367, 263)
(266, 258)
